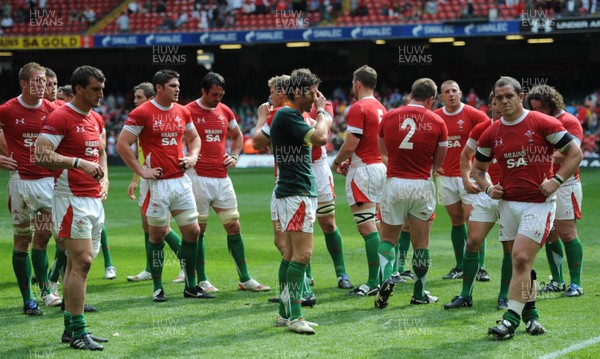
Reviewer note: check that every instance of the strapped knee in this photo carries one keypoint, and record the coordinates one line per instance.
(22, 231)
(157, 221)
(364, 215)
(186, 217)
(229, 215)
(326, 209)
(203, 218)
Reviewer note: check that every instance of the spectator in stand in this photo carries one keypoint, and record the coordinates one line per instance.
(431, 7)
(249, 7)
(362, 9)
(183, 18)
(281, 5)
(203, 23)
(22, 15)
(89, 16)
(299, 5)
(111, 143)
(6, 9)
(472, 98)
(167, 23)
(161, 7)
(468, 9)
(235, 4)
(313, 5)
(230, 18)
(132, 8)
(6, 23)
(123, 22)
(262, 6)
(325, 10)
(74, 15)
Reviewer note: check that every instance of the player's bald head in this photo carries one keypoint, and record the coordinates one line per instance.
(366, 75)
(449, 83)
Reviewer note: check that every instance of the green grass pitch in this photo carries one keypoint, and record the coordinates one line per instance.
(241, 324)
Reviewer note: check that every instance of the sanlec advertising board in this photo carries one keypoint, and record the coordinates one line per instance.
(40, 42)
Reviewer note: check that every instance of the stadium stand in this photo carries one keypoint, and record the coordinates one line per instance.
(58, 17)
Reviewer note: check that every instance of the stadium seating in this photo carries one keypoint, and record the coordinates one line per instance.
(56, 18)
(151, 21)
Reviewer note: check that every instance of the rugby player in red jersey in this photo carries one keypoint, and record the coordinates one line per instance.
(569, 196)
(523, 143)
(215, 122)
(460, 120)
(160, 125)
(359, 160)
(414, 141)
(72, 143)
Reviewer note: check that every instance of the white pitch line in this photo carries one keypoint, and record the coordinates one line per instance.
(572, 348)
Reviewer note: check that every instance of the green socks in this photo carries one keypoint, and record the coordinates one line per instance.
(22, 267)
(421, 264)
(401, 252)
(39, 259)
(58, 265)
(471, 266)
(505, 275)
(530, 312)
(283, 302)
(372, 248)
(459, 239)
(187, 255)
(78, 325)
(387, 254)
(156, 257)
(146, 241)
(294, 285)
(309, 270)
(333, 241)
(236, 249)
(574, 252)
(481, 254)
(555, 255)
(67, 322)
(174, 241)
(105, 249)
(200, 269)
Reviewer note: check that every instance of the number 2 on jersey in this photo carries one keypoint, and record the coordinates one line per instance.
(410, 123)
